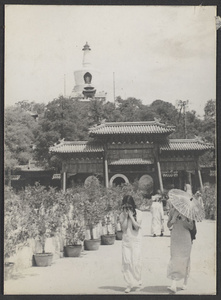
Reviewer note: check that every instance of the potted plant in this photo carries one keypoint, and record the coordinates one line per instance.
(74, 226)
(75, 235)
(93, 212)
(119, 232)
(114, 195)
(44, 219)
(109, 237)
(15, 228)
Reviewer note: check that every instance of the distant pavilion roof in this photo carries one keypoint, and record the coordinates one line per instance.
(185, 144)
(150, 127)
(76, 147)
(131, 161)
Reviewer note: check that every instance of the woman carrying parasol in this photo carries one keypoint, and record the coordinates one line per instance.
(184, 211)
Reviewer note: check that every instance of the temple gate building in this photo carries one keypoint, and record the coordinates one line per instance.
(123, 152)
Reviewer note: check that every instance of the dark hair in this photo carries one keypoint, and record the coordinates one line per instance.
(128, 199)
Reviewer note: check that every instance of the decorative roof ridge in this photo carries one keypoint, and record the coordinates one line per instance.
(77, 146)
(106, 124)
(64, 143)
(73, 142)
(188, 141)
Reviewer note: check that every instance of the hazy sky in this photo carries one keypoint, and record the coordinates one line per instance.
(156, 52)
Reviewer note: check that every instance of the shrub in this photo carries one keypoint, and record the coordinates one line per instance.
(93, 203)
(72, 220)
(209, 200)
(116, 194)
(15, 222)
(44, 214)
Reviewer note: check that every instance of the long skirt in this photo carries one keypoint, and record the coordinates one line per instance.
(131, 261)
(180, 250)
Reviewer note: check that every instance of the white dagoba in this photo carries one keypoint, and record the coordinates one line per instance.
(87, 79)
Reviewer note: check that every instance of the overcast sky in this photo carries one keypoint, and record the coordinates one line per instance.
(156, 52)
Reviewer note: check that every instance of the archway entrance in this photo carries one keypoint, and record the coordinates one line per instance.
(118, 179)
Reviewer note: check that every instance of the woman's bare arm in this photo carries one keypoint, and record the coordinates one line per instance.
(172, 217)
(136, 224)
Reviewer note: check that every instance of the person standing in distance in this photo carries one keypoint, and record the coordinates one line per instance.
(157, 221)
(198, 196)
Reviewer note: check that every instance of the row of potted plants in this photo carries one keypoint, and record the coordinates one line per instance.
(40, 213)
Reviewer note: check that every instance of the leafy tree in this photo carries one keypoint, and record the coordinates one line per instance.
(193, 124)
(209, 122)
(208, 132)
(32, 106)
(63, 118)
(210, 109)
(111, 114)
(19, 137)
(129, 109)
(148, 114)
(95, 111)
(209, 200)
(165, 111)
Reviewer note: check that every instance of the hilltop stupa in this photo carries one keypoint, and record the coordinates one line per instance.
(87, 80)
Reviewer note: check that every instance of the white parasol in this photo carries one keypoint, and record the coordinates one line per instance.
(186, 204)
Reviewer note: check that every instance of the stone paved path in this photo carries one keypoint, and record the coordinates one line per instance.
(99, 272)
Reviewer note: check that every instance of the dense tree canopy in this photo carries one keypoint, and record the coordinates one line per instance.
(19, 136)
(65, 118)
(34, 107)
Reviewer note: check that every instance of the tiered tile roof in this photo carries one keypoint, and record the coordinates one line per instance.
(185, 144)
(171, 145)
(151, 127)
(76, 147)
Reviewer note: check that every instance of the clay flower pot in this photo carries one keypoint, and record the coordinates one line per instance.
(92, 244)
(43, 259)
(107, 239)
(8, 270)
(73, 250)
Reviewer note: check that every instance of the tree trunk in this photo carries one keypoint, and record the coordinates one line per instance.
(91, 232)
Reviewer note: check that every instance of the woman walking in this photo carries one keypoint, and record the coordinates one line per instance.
(185, 210)
(180, 248)
(130, 220)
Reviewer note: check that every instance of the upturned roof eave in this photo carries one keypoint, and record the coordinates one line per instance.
(87, 147)
(182, 145)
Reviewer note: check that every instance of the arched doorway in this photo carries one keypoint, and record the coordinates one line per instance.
(118, 179)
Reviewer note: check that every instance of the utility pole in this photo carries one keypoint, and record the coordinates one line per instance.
(114, 86)
(64, 85)
(183, 104)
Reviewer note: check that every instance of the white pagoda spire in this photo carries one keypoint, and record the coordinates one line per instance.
(86, 57)
(87, 79)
